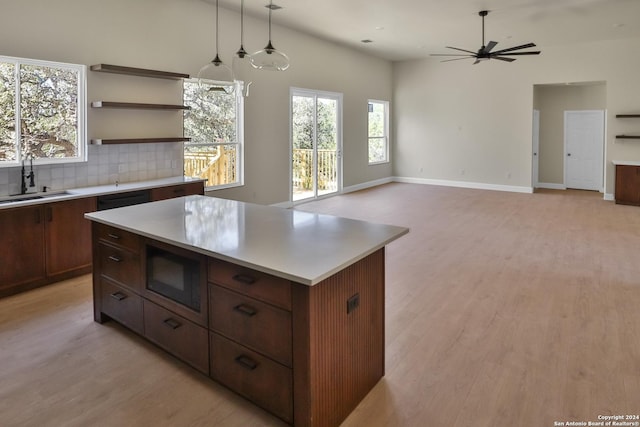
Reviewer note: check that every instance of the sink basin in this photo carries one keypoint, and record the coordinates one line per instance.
(34, 196)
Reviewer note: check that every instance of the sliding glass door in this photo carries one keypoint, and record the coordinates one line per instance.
(316, 139)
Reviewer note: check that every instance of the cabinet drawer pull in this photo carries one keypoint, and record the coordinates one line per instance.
(172, 323)
(115, 258)
(49, 214)
(246, 362)
(246, 310)
(118, 296)
(180, 190)
(114, 236)
(243, 278)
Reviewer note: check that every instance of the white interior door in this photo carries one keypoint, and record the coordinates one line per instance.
(584, 147)
(536, 149)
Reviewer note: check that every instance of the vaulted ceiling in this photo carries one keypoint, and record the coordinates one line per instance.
(409, 29)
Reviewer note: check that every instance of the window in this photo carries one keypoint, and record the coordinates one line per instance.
(42, 111)
(378, 120)
(215, 125)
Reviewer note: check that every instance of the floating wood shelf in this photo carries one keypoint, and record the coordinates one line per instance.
(628, 136)
(627, 116)
(138, 106)
(118, 69)
(137, 140)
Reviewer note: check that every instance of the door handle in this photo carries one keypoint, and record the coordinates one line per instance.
(568, 154)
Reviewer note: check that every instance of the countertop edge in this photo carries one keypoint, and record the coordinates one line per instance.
(308, 281)
(101, 190)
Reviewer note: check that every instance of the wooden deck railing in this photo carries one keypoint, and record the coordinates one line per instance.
(303, 169)
(219, 166)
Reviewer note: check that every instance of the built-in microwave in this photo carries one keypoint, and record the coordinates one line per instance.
(174, 276)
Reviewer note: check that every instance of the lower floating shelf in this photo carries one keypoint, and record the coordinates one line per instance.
(137, 140)
(627, 136)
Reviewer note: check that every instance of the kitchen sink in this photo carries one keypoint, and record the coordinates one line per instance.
(34, 196)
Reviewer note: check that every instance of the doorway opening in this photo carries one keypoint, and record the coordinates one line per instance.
(553, 165)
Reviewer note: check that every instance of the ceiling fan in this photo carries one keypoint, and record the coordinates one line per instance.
(485, 52)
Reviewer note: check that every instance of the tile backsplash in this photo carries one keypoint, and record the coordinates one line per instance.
(106, 164)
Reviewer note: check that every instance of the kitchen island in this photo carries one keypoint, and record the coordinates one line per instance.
(284, 307)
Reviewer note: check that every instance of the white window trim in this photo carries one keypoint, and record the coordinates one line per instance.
(386, 137)
(82, 111)
(239, 139)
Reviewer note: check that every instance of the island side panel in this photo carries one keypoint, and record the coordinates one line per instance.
(338, 356)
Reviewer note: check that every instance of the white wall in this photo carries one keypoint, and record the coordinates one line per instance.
(178, 35)
(455, 117)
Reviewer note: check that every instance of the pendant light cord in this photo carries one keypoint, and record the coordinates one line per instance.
(241, 23)
(217, 27)
(270, 10)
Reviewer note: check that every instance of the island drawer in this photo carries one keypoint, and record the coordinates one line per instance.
(121, 304)
(262, 286)
(120, 265)
(260, 326)
(118, 237)
(252, 375)
(177, 335)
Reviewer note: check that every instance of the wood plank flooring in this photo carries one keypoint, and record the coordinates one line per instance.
(503, 309)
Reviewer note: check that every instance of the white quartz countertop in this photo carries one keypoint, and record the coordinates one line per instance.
(77, 193)
(625, 162)
(299, 246)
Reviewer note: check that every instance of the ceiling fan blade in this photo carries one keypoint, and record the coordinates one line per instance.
(448, 54)
(462, 50)
(535, 52)
(490, 46)
(502, 58)
(477, 61)
(511, 49)
(457, 59)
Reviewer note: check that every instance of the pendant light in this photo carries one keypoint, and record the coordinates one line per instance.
(216, 75)
(269, 58)
(241, 64)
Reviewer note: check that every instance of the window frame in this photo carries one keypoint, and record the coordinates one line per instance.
(385, 137)
(81, 116)
(239, 143)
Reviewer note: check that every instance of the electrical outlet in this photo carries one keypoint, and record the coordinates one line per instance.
(353, 303)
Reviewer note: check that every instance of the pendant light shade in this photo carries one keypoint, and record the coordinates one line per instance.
(216, 75)
(241, 64)
(270, 58)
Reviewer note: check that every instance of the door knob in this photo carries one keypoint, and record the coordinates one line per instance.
(569, 154)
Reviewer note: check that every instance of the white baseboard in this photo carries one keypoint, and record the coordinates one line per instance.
(551, 186)
(367, 184)
(464, 184)
(609, 196)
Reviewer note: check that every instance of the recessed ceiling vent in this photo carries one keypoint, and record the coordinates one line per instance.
(366, 41)
(273, 6)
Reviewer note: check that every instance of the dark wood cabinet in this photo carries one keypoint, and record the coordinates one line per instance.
(68, 236)
(627, 191)
(21, 249)
(297, 351)
(188, 189)
(44, 243)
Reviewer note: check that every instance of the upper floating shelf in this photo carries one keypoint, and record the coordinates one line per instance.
(138, 106)
(142, 72)
(628, 136)
(627, 116)
(137, 140)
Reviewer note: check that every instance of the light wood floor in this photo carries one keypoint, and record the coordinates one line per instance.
(503, 309)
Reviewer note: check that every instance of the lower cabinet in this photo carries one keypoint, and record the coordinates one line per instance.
(44, 243)
(177, 335)
(21, 248)
(249, 373)
(297, 351)
(627, 191)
